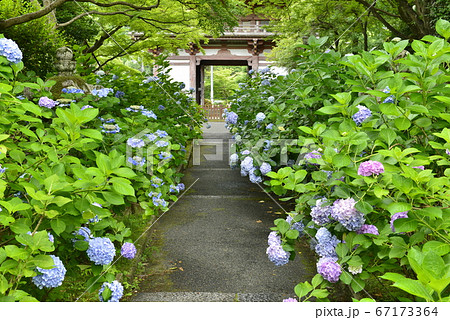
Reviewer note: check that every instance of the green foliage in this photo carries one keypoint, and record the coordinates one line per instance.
(226, 81)
(311, 111)
(37, 39)
(60, 171)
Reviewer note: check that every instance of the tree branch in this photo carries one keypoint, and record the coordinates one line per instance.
(381, 19)
(122, 3)
(61, 25)
(4, 24)
(98, 43)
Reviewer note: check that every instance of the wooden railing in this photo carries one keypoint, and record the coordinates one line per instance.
(214, 112)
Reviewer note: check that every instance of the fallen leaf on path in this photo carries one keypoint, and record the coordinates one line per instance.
(181, 268)
(270, 211)
(261, 201)
(258, 221)
(278, 212)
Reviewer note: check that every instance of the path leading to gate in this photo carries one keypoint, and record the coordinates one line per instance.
(211, 245)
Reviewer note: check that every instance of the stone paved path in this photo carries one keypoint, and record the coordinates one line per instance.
(212, 242)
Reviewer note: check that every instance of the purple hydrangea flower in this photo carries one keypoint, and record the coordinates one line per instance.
(329, 269)
(50, 278)
(128, 250)
(277, 255)
(86, 107)
(265, 168)
(447, 152)
(420, 167)
(368, 228)
(135, 143)
(47, 102)
(312, 155)
(290, 300)
(116, 291)
(10, 50)
(321, 212)
(231, 117)
(344, 212)
(273, 239)
(326, 243)
(260, 117)
(101, 251)
(368, 168)
(398, 215)
(361, 115)
(136, 161)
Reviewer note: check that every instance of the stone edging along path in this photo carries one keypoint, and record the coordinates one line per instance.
(211, 245)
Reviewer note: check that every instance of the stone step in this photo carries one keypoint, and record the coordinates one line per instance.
(208, 297)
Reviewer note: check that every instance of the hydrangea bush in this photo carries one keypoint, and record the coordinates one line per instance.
(66, 179)
(357, 146)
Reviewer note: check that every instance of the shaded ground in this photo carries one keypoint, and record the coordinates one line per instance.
(211, 245)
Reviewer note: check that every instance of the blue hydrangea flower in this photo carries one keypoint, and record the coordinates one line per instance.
(245, 152)
(161, 107)
(136, 161)
(299, 226)
(101, 251)
(161, 143)
(269, 126)
(149, 114)
(277, 255)
(128, 250)
(101, 93)
(116, 291)
(260, 117)
(151, 136)
(10, 50)
(119, 94)
(321, 212)
(361, 115)
(94, 219)
(161, 133)
(267, 144)
(329, 269)
(135, 142)
(135, 108)
(265, 82)
(164, 155)
(86, 107)
(2, 170)
(157, 182)
(231, 118)
(247, 164)
(72, 90)
(344, 212)
(264, 70)
(181, 186)
(271, 99)
(326, 243)
(253, 177)
(150, 79)
(50, 278)
(47, 102)
(265, 168)
(234, 158)
(85, 232)
(110, 128)
(157, 201)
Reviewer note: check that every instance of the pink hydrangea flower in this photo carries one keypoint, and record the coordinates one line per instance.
(368, 168)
